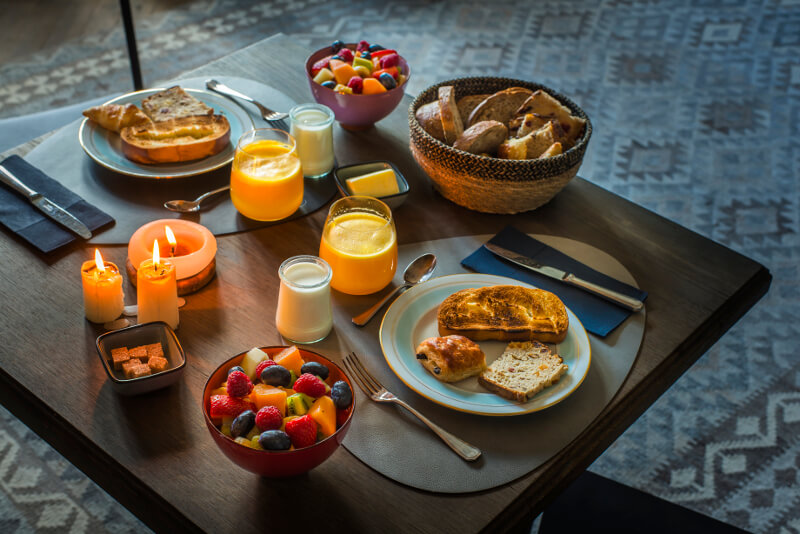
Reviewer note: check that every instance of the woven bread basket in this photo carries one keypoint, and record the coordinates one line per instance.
(493, 185)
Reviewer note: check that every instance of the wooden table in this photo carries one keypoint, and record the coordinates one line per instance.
(153, 452)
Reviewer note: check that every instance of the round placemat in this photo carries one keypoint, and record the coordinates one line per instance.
(136, 201)
(390, 440)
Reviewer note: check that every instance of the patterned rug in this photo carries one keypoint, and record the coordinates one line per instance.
(696, 107)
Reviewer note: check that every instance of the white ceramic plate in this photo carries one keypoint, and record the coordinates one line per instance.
(105, 147)
(412, 318)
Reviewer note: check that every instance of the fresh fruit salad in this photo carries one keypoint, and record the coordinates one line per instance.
(367, 69)
(279, 403)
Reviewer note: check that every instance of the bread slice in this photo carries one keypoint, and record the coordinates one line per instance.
(544, 105)
(501, 106)
(429, 117)
(451, 120)
(523, 370)
(554, 150)
(451, 358)
(504, 312)
(532, 145)
(115, 117)
(466, 104)
(482, 137)
(176, 140)
(174, 103)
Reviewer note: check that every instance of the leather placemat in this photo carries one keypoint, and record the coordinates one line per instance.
(394, 443)
(137, 201)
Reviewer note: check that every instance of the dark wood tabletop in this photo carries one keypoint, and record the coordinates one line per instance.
(153, 452)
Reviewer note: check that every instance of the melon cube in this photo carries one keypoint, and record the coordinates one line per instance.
(372, 87)
(251, 360)
(291, 359)
(265, 395)
(343, 73)
(324, 413)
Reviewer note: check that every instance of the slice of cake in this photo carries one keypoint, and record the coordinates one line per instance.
(523, 370)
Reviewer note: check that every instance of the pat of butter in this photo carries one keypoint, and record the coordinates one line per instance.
(375, 184)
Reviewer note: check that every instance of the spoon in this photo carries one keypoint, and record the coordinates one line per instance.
(417, 271)
(189, 206)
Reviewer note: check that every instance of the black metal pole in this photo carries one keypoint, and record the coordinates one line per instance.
(130, 38)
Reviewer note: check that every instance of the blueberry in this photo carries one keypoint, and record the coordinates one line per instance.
(330, 84)
(366, 55)
(235, 368)
(274, 440)
(243, 423)
(315, 368)
(341, 394)
(387, 80)
(337, 45)
(276, 375)
(375, 48)
(340, 58)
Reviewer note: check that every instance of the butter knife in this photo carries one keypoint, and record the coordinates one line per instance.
(523, 261)
(46, 206)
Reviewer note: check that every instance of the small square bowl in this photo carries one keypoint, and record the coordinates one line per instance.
(135, 336)
(341, 174)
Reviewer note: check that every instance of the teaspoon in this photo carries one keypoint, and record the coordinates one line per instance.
(417, 271)
(189, 206)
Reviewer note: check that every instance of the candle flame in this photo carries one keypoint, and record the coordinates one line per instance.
(156, 258)
(170, 236)
(98, 260)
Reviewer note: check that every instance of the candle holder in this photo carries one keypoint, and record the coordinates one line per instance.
(193, 254)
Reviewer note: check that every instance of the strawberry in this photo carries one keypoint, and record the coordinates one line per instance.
(309, 384)
(302, 431)
(227, 406)
(239, 384)
(263, 365)
(321, 64)
(269, 418)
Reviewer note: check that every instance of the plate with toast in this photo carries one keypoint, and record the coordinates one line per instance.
(164, 132)
(415, 318)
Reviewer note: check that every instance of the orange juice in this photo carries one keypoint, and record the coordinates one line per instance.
(361, 248)
(266, 178)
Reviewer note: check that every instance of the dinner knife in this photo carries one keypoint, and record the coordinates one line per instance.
(45, 205)
(523, 261)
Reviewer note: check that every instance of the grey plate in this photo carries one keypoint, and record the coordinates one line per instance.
(105, 148)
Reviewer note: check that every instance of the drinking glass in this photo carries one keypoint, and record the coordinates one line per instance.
(312, 129)
(304, 311)
(359, 242)
(266, 177)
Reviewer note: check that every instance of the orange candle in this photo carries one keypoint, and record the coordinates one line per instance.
(103, 299)
(157, 290)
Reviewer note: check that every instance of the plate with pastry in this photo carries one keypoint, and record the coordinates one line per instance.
(485, 344)
(163, 133)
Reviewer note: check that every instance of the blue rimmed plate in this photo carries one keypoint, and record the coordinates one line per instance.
(105, 147)
(413, 317)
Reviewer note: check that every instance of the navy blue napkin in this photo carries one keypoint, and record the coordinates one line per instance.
(25, 220)
(597, 315)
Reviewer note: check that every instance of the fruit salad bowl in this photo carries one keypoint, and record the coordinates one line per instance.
(355, 111)
(278, 463)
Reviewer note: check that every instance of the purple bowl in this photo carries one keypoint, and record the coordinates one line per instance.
(355, 112)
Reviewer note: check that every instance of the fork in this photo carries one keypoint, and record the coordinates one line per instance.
(275, 118)
(375, 391)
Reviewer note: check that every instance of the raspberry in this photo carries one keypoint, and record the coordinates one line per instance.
(225, 406)
(302, 431)
(263, 365)
(346, 54)
(269, 418)
(362, 45)
(310, 385)
(356, 84)
(391, 60)
(239, 384)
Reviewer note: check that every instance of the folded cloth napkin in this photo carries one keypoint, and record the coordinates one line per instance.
(22, 218)
(598, 316)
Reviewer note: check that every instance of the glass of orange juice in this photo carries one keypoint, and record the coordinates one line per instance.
(359, 242)
(266, 178)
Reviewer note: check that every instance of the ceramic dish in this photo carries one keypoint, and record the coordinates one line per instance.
(341, 174)
(412, 318)
(135, 336)
(105, 147)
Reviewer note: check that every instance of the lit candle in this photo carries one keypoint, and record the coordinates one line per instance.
(103, 300)
(157, 290)
(192, 246)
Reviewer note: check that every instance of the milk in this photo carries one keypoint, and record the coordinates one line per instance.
(304, 303)
(312, 129)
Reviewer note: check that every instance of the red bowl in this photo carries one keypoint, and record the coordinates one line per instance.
(277, 463)
(355, 112)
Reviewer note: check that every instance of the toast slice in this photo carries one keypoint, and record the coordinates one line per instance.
(176, 140)
(505, 313)
(501, 106)
(523, 370)
(451, 120)
(174, 103)
(542, 104)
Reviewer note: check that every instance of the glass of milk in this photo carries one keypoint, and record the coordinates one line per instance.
(312, 129)
(304, 303)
